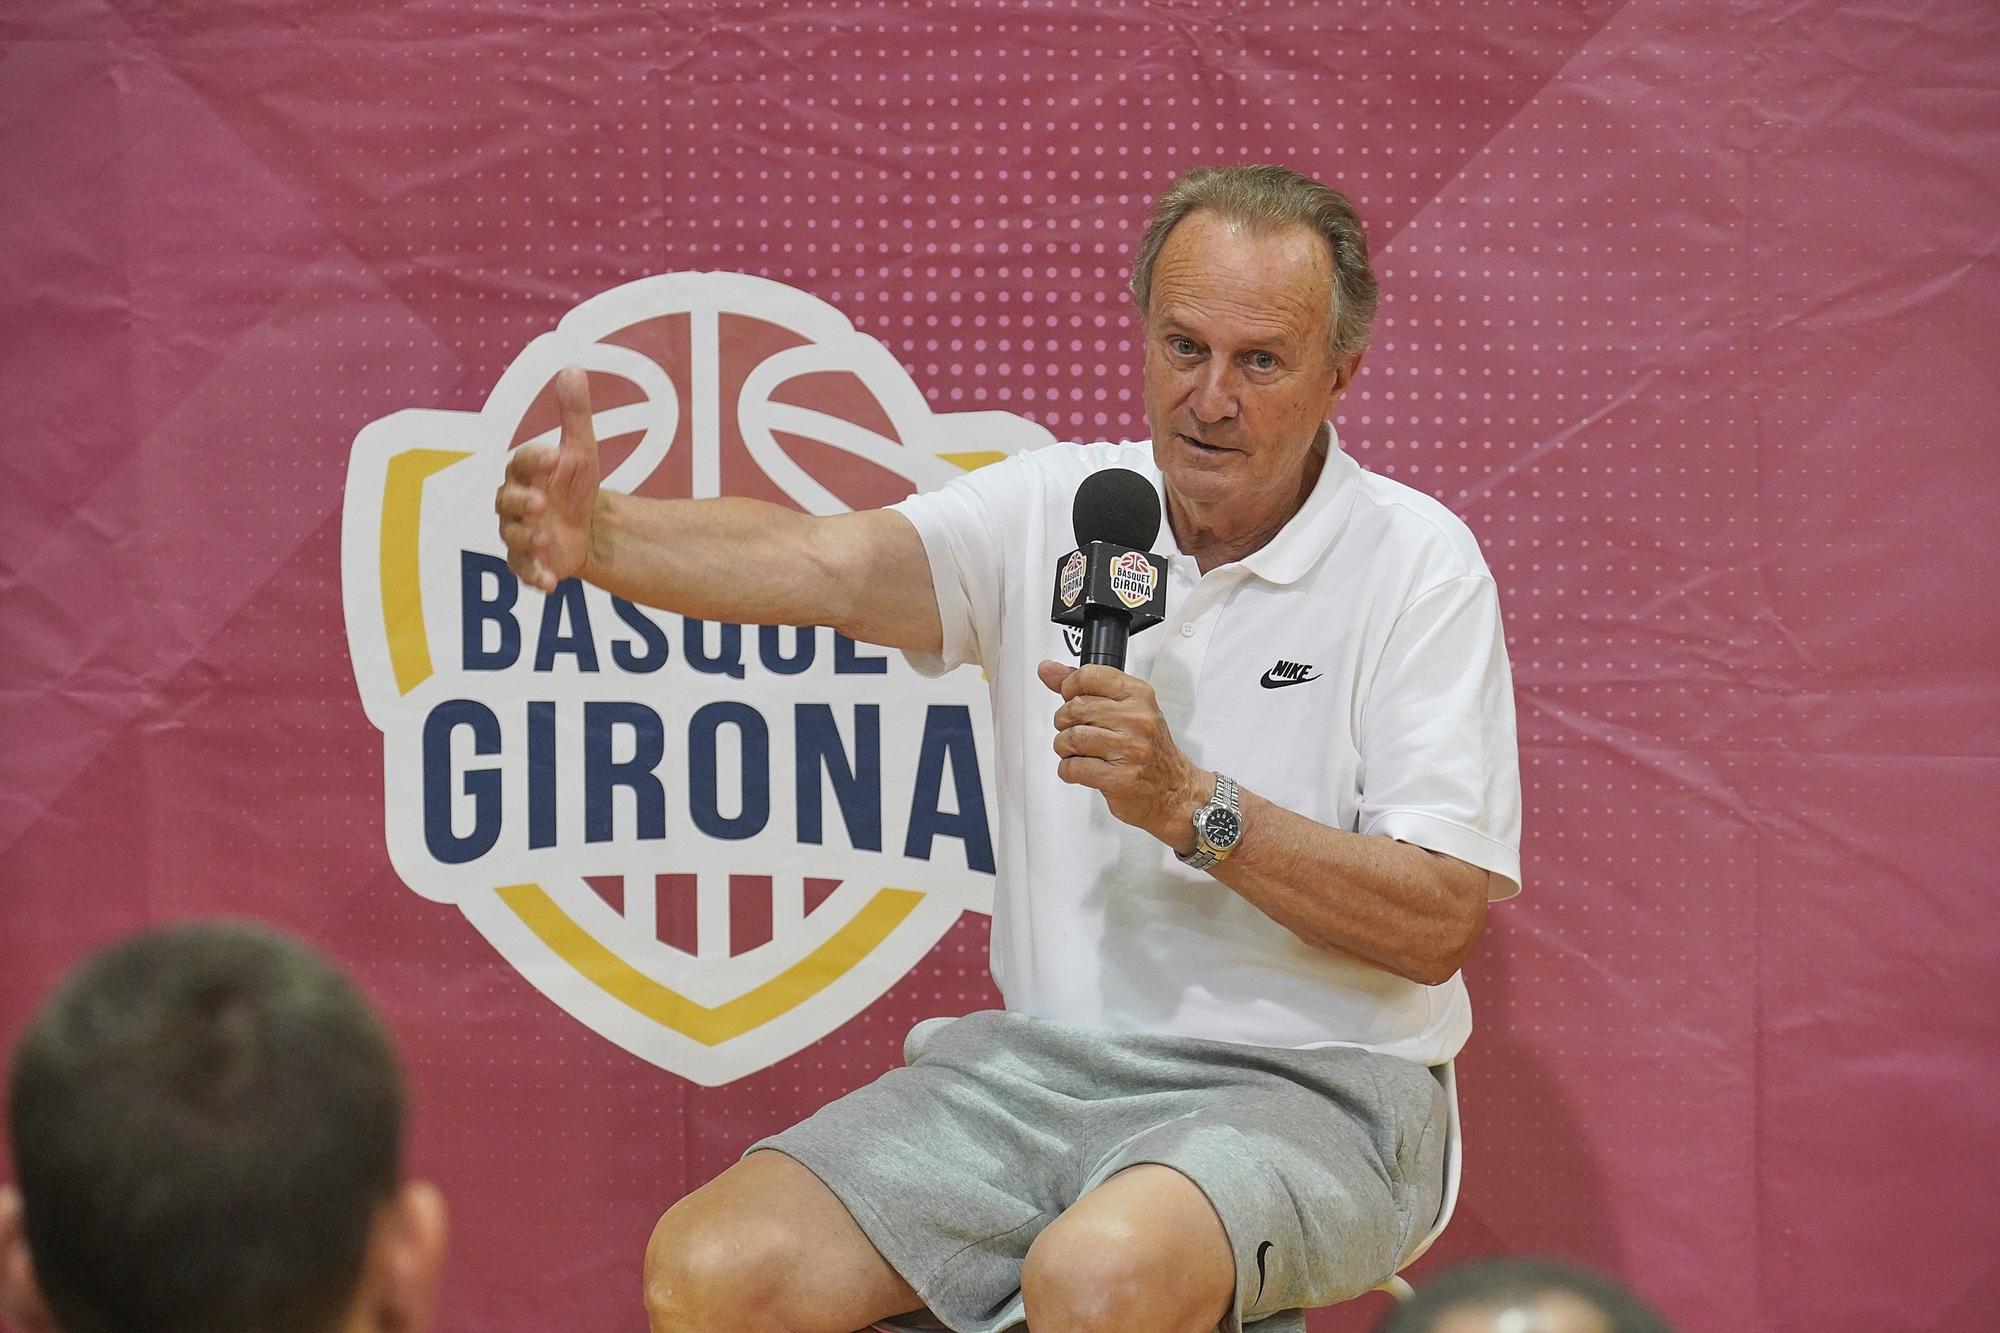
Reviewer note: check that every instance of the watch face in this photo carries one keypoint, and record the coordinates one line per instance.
(1221, 828)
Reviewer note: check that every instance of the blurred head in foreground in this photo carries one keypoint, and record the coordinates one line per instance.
(206, 1122)
(1522, 1296)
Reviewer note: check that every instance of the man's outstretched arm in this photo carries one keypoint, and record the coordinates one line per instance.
(865, 574)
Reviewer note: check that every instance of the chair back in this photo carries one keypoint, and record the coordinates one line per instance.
(1454, 1159)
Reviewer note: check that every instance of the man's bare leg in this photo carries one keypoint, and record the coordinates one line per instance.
(1142, 1250)
(766, 1247)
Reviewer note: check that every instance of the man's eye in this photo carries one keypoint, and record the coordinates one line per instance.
(1180, 346)
(1263, 361)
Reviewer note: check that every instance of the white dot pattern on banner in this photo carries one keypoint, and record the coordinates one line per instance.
(310, 218)
(966, 186)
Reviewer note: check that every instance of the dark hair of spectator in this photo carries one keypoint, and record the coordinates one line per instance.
(1492, 1285)
(205, 1120)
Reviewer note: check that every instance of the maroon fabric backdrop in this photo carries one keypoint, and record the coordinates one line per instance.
(1690, 310)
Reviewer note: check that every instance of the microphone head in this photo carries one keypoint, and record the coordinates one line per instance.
(1116, 505)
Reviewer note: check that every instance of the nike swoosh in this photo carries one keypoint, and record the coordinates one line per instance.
(1260, 1272)
(1269, 684)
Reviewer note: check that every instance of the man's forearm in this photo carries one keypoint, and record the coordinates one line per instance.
(754, 562)
(1391, 904)
(723, 559)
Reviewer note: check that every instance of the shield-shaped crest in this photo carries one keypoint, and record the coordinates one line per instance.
(712, 844)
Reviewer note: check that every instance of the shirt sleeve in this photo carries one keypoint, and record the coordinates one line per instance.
(1440, 767)
(965, 526)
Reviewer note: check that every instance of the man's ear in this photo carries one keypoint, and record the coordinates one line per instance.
(21, 1301)
(405, 1256)
(1343, 375)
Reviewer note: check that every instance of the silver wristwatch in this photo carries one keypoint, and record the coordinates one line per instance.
(1218, 826)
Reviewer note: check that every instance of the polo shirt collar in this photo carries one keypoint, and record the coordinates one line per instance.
(1311, 532)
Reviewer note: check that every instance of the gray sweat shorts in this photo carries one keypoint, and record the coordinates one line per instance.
(1325, 1165)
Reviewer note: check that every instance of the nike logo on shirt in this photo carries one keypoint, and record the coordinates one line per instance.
(1287, 673)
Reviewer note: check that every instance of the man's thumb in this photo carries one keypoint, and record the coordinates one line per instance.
(573, 403)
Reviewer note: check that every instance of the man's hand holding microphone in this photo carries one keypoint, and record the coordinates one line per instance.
(1110, 733)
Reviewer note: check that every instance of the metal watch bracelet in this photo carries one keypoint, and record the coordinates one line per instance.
(1206, 853)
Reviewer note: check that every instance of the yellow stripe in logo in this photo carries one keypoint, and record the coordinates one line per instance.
(402, 581)
(971, 459)
(669, 1008)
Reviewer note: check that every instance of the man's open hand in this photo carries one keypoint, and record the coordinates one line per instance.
(1111, 735)
(549, 499)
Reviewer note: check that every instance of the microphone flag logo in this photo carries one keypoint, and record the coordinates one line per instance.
(1070, 582)
(1133, 579)
(711, 844)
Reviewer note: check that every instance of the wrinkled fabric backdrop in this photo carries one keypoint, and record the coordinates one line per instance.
(1690, 311)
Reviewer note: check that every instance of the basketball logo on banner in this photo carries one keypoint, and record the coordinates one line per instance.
(710, 843)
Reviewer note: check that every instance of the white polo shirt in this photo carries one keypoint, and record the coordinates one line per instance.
(1400, 724)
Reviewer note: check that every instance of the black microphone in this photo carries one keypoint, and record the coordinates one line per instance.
(1111, 586)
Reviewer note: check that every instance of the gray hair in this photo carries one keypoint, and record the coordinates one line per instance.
(1267, 198)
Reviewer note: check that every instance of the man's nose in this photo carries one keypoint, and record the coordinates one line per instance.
(1214, 396)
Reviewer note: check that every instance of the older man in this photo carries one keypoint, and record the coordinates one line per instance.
(1231, 907)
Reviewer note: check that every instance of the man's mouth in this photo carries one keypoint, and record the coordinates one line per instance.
(1203, 446)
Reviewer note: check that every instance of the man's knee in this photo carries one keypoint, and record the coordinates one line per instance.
(1088, 1275)
(706, 1269)
(1143, 1250)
